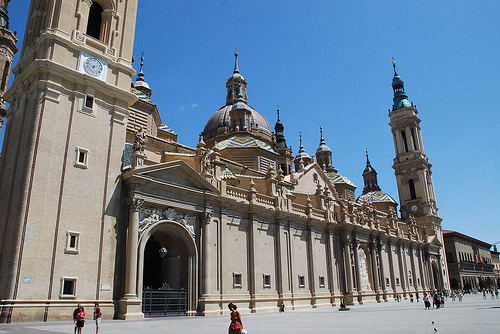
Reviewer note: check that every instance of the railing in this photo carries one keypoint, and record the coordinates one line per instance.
(299, 208)
(236, 192)
(163, 303)
(265, 200)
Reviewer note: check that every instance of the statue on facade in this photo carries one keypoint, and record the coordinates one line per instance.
(140, 140)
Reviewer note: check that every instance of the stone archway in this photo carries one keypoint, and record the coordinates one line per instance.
(167, 270)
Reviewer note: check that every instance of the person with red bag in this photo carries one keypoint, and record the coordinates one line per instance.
(236, 325)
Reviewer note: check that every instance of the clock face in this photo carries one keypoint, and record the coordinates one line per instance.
(414, 208)
(93, 66)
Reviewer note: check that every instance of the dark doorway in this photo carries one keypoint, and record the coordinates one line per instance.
(165, 280)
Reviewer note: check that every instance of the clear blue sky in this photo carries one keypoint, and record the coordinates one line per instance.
(329, 63)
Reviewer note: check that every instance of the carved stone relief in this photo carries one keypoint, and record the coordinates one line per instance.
(363, 270)
(151, 216)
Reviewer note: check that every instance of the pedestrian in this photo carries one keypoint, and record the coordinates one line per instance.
(418, 297)
(411, 297)
(80, 320)
(460, 296)
(75, 314)
(97, 317)
(453, 296)
(427, 304)
(236, 324)
(282, 307)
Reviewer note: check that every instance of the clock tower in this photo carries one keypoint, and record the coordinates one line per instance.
(414, 180)
(411, 165)
(60, 165)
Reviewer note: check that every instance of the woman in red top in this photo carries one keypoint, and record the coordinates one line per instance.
(236, 325)
(80, 319)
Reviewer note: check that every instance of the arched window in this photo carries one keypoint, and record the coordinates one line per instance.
(405, 143)
(411, 184)
(95, 21)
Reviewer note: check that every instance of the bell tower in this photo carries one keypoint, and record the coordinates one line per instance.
(60, 167)
(411, 165)
(7, 50)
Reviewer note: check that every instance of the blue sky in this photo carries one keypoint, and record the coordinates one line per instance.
(328, 63)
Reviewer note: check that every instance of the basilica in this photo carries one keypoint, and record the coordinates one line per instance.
(101, 202)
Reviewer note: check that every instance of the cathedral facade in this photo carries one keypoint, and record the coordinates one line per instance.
(101, 203)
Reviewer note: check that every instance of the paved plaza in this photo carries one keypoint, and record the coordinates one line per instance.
(473, 315)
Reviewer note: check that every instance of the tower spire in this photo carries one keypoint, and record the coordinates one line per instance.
(236, 69)
(370, 177)
(140, 83)
(236, 85)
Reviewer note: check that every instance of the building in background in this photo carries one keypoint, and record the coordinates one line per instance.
(470, 262)
(99, 202)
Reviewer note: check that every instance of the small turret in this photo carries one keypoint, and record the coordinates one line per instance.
(370, 177)
(140, 83)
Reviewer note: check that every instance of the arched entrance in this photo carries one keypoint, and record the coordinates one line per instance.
(168, 264)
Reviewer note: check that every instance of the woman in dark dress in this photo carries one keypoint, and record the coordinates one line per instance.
(236, 325)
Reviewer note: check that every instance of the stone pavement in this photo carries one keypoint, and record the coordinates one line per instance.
(473, 315)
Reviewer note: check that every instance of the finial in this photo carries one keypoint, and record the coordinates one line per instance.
(236, 70)
(278, 110)
(394, 66)
(367, 160)
(140, 76)
(321, 131)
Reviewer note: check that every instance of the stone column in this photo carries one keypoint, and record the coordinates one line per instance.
(376, 280)
(423, 283)
(348, 265)
(382, 268)
(206, 287)
(131, 305)
(401, 262)
(391, 267)
(310, 264)
(413, 272)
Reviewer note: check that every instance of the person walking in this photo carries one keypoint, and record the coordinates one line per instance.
(75, 315)
(236, 324)
(427, 304)
(97, 317)
(80, 320)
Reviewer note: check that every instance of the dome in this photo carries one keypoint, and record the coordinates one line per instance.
(222, 119)
(236, 76)
(323, 148)
(396, 81)
(375, 197)
(339, 179)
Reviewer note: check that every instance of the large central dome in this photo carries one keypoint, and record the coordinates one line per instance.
(222, 119)
(236, 118)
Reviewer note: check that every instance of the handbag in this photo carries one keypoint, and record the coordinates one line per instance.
(235, 326)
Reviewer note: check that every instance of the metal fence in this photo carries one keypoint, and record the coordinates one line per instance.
(164, 303)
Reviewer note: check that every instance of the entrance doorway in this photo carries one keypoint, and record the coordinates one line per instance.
(165, 276)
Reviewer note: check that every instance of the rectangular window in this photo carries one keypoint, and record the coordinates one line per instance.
(387, 282)
(266, 280)
(82, 156)
(68, 287)
(397, 281)
(302, 281)
(418, 281)
(236, 280)
(72, 242)
(89, 102)
(322, 281)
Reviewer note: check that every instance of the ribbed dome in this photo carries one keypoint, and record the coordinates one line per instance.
(221, 119)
